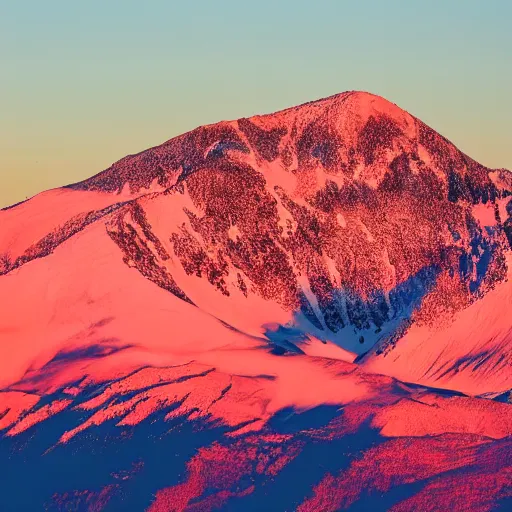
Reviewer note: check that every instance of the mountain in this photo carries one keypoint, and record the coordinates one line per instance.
(333, 275)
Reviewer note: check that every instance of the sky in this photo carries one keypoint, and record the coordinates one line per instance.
(83, 84)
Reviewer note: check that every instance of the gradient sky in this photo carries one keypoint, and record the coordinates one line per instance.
(84, 83)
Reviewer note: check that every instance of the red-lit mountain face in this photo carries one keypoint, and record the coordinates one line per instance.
(282, 262)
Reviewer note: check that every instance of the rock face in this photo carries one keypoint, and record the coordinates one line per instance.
(343, 228)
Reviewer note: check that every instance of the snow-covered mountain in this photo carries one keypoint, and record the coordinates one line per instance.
(345, 219)
(324, 254)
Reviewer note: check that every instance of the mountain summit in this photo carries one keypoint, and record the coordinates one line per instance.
(342, 239)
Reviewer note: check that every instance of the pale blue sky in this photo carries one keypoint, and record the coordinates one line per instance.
(84, 83)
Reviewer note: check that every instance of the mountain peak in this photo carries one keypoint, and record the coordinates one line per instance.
(347, 111)
(348, 100)
(345, 132)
